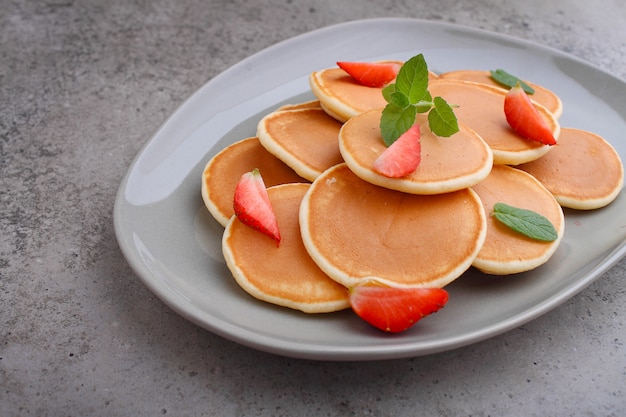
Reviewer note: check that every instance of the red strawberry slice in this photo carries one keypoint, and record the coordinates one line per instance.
(524, 118)
(402, 157)
(252, 205)
(395, 309)
(371, 74)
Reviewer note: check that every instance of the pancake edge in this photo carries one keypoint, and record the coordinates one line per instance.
(334, 107)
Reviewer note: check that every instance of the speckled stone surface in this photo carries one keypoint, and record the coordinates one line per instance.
(84, 84)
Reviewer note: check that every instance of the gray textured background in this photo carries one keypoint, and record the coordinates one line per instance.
(84, 84)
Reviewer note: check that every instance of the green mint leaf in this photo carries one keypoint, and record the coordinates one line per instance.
(398, 99)
(394, 121)
(388, 91)
(509, 80)
(526, 222)
(441, 119)
(412, 79)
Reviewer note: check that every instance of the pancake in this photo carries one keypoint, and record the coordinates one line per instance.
(304, 139)
(583, 172)
(542, 95)
(222, 172)
(481, 107)
(506, 251)
(447, 164)
(284, 275)
(358, 232)
(341, 96)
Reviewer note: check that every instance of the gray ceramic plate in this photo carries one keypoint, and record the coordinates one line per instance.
(173, 244)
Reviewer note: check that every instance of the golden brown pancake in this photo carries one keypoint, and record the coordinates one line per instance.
(341, 96)
(222, 172)
(284, 275)
(304, 139)
(447, 164)
(358, 232)
(506, 251)
(583, 172)
(481, 107)
(542, 95)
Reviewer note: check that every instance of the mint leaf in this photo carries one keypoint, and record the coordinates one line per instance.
(395, 121)
(399, 99)
(509, 80)
(412, 79)
(526, 222)
(441, 119)
(388, 91)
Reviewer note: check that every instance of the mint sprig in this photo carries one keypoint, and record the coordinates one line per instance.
(408, 96)
(527, 222)
(510, 80)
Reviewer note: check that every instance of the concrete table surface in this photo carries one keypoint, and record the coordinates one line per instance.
(83, 86)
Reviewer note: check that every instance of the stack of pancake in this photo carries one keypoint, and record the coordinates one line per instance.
(343, 224)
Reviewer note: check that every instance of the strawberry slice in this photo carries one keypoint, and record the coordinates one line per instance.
(371, 74)
(395, 309)
(524, 118)
(252, 205)
(401, 157)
